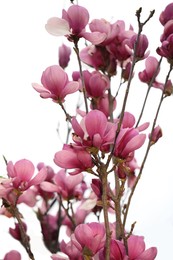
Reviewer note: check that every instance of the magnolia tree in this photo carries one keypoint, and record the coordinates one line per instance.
(83, 208)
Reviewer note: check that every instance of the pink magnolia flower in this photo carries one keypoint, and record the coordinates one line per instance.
(136, 249)
(119, 47)
(64, 184)
(141, 46)
(13, 254)
(70, 250)
(89, 237)
(167, 14)
(55, 84)
(64, 55)
(166, 49)
(94, 130)
(21, 174)
(117, 251)
(103, 26)
(129, 140)
(151, 70)
(73, 158)
(72, 24)
(95, 83)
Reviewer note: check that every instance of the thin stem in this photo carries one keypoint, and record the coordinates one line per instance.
(105, 212)
(68, 117)
(147, 150)
(148, 90)
(76, 49)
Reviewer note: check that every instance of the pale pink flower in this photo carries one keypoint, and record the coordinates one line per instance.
(73, 158)
(72, 24)
(12, 255)
(55, 84)
(64, 55)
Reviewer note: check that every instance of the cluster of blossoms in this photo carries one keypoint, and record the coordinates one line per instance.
(103, 142)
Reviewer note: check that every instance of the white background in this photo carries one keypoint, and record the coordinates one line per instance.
(28, 123)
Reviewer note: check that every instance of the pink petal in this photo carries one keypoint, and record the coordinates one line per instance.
(48, 186)
(149, 254)
(136, 246)
(41, 176)
(66, 159)
(24, 169)
(135, 143)
(77, 128)
(57, 26)
(95, 122)
(10, 170)
(94, 37)
(70, 88)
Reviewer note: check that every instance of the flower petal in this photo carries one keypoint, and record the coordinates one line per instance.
(57, 26)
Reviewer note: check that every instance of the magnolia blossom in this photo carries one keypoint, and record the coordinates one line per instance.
(64, 184)
(94, 130)
(92, 241)
(95, 83)
(72, 24)
(128, 140)
(150, 73)
(22, 174)
(72, 157)
(141, 47)
(55, 84)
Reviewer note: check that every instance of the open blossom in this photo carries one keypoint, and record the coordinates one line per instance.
(72, 24)
(92, 240)
(151, 70)
(72, 157)
(94, 130)
(64, 184)
(128, 140)
(55, 84)
(95, 83)
(22, 174)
